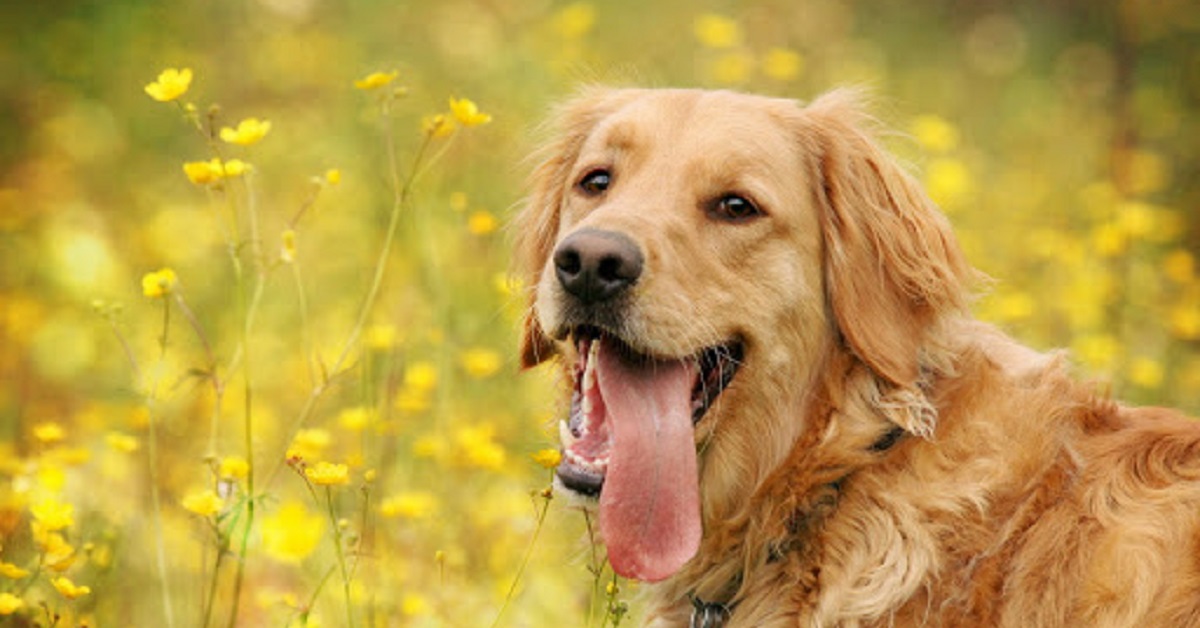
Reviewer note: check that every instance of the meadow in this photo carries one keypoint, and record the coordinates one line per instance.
(257, 326)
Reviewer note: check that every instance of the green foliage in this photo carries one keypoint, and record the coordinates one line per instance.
(256, 339)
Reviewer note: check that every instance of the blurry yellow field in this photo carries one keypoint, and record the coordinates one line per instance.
(256, 331)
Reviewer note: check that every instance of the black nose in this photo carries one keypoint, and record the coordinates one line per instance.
(595, 265)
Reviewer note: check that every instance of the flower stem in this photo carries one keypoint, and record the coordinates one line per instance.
(341, 555)
(152, 459)
(546, 496)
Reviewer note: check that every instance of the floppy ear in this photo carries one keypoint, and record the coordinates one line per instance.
(535, 227)
(892, 265)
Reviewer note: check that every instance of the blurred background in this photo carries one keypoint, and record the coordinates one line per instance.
(1060, 136)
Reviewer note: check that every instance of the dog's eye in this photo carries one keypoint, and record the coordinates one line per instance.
(734, 208)
(594, 183)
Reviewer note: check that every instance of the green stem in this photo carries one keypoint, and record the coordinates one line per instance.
(512, 589)
(152, 456)
(341, 555)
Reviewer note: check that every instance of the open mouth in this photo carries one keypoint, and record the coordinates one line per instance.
(587, 435)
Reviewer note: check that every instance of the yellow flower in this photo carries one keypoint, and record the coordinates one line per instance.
(409, 505)
(548, 458)
(291, 533)
(376, 79)
(333, 176)
(478, 447)
(205, 503)
(309, 443)
(248, 131)
(716, 31)
(1146, 372)
(49, 432)
(123, 443)
(355, 419)
(10, 604)
(949, 182)
(412, 604)
(234, 168)
(480, 363)
(287, 247)
(437, 125)
(328, 474)
(935, 133)
(1180, 266)
(574, 20)
(69, 589)
(467, 112)
(413, 400)
(233, 468)
(53, 515)
(381, 337)
(421, 375)
(482, 222)
(1185, 321)
(732, 67)
(9, 570)
(171, 84)
(203, 172)
(782, 64)
(159, 283)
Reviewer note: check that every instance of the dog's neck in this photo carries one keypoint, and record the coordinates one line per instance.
(788, 506)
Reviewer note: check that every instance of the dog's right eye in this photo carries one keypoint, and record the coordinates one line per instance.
(595, 182)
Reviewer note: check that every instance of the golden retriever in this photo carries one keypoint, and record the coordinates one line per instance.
(783, 408)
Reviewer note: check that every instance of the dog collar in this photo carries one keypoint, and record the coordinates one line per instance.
(708, 614)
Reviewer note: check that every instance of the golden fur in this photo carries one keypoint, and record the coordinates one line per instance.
(1016, 497)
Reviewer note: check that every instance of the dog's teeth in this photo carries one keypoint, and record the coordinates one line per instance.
(587, 406)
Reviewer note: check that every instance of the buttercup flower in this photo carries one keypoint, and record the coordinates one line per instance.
(376, 79)
(717, 31)
(482, 222)
(205, 503)
(291, 533)
(467, 112)
(205, 172)
(233, 468)
(123, 443)
(159, 283)
(69, 589)
(248, 131)
(409, 505)
(171, 84)
(437, 125)
(53, 515)
(328, 474)
(49, 432)
(287, 246)
(333, 176)
(548, 458)
(10, 603)
(481, 363)
(11, 571)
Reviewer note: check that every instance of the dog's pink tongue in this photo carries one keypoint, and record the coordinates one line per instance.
(650, 504)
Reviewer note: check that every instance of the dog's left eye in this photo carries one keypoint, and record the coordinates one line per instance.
(734, 208)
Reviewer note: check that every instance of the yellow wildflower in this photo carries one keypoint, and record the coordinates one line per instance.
(205, 503)
(376, 79)
(171, 84)
(159, 283)
(413, 400)
(11, 571)
(291, 533)
(1184, 320)
(949, 182)
(482, 222)
(409, 505)
(732, 67)
(381, 337)
(56, 552)
(123, 443)
(716, 31)
(782, 64)
(49, 432)
(467, 112)
(1146, 372)
(287, 247)
(437, 125)
(574, 20)
(309, 443)
(203, 172)
(421, 375)
(548, 458)
(935, 133)
(69, 589)
(328, 474)
(355, 419)
(333, 176)
(53, 515)
(248, 131)
(1180, 266)
(10, 604)
(412, 604)
(234, 168)
(233, 468)
(481, 363)
(478, 447)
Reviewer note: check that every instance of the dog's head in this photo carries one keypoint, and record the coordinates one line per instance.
(692, 253)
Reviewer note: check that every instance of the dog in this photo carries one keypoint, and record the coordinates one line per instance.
(782, 408)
